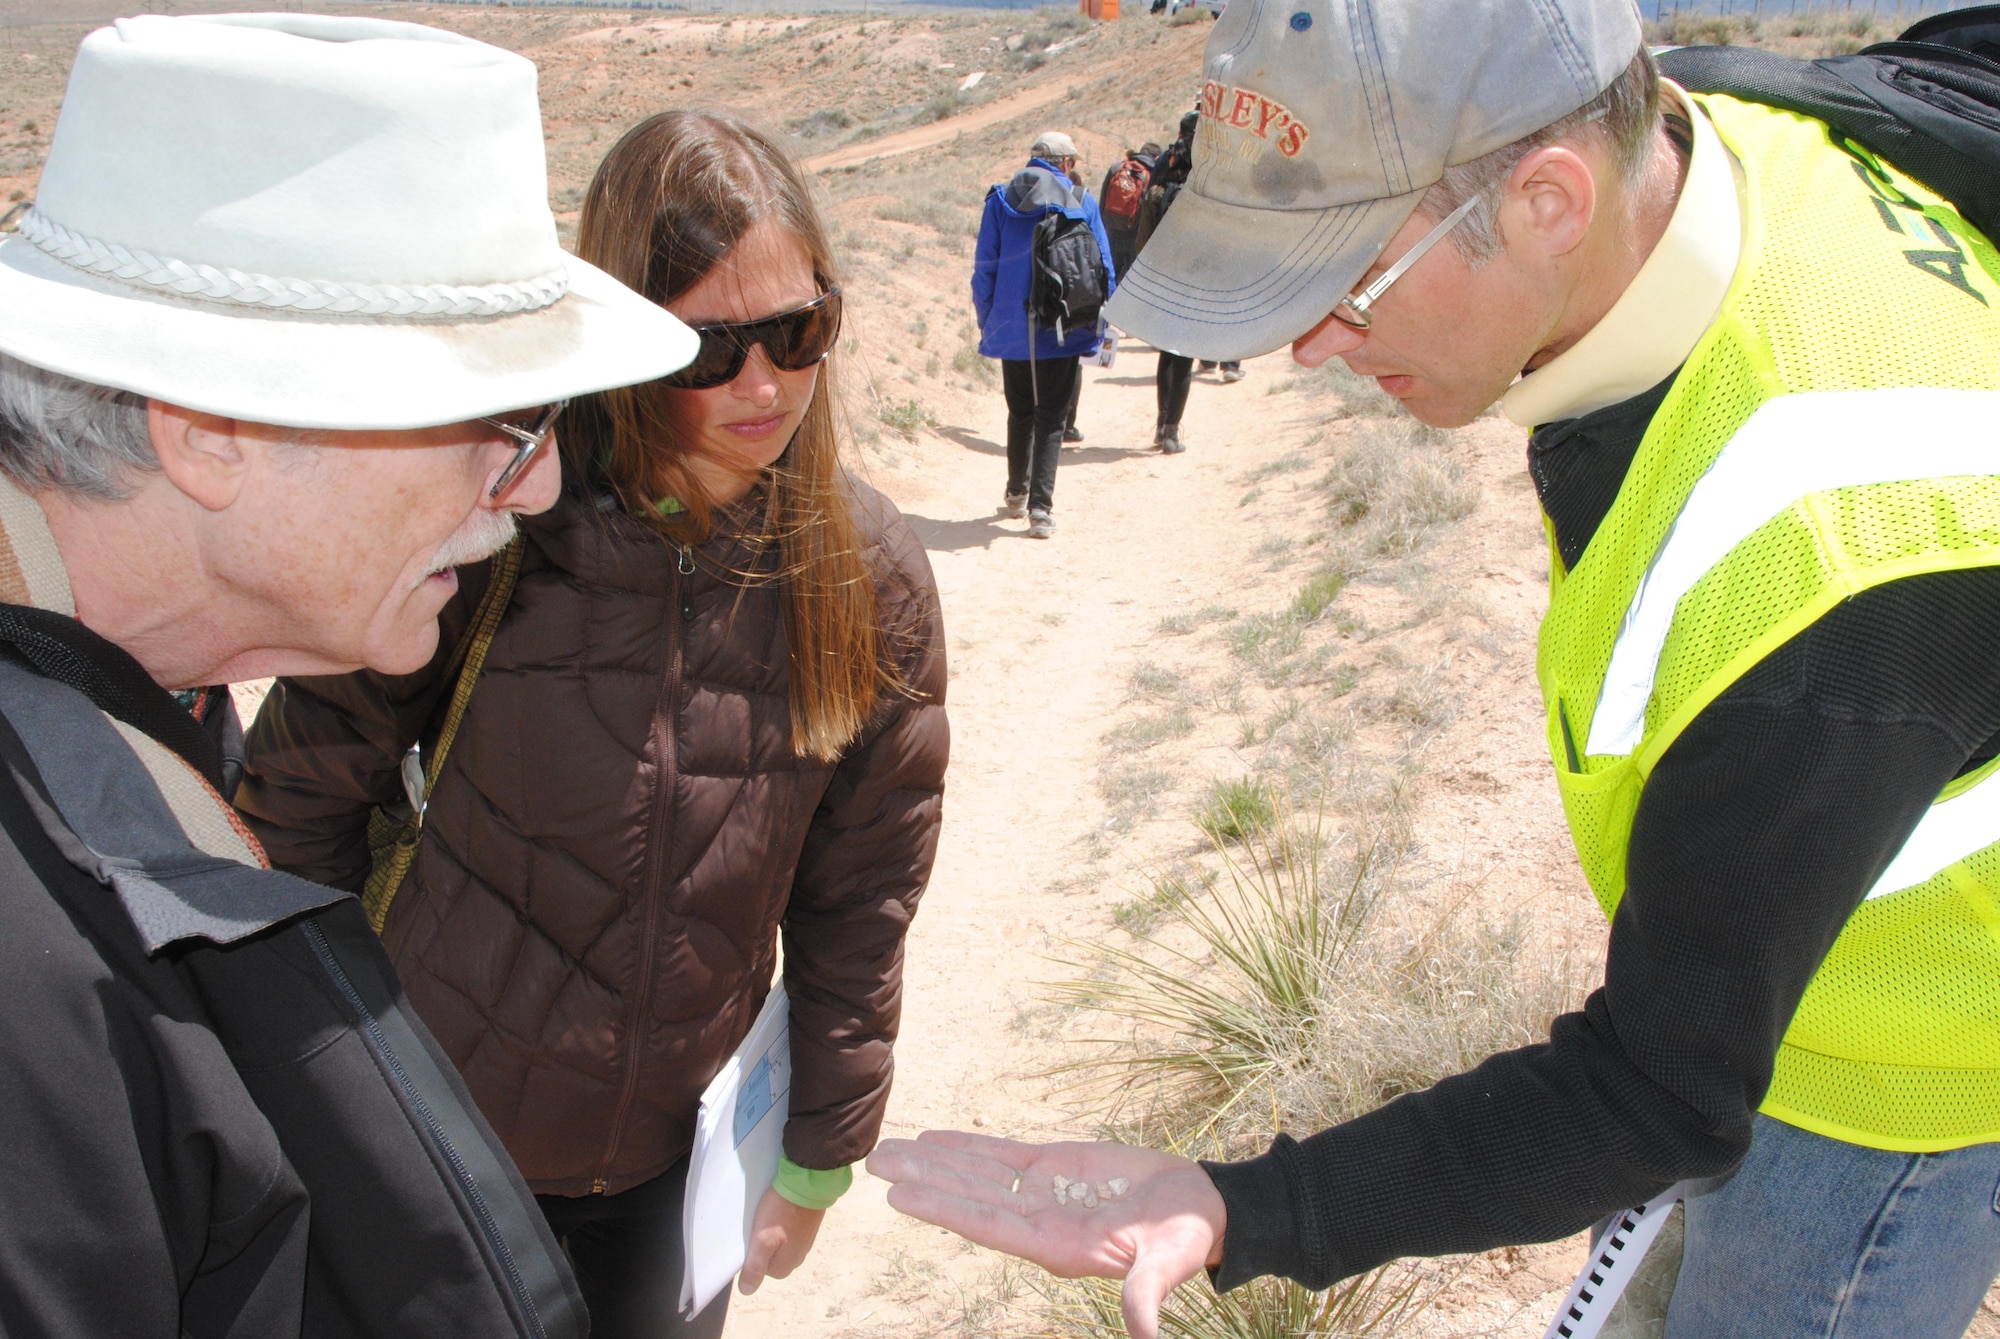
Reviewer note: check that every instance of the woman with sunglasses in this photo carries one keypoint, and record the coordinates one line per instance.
(710, 718)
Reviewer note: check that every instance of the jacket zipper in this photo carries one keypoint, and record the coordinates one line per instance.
(665, 749)
(467, 1184)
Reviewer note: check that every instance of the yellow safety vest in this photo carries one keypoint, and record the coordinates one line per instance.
(1836, 428)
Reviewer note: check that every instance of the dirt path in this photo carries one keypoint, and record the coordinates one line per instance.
(1043, 637)
(941, 132)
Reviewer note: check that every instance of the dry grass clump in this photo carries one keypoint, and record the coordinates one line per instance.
(1143, 732)
(1392, 488)
(825, 123)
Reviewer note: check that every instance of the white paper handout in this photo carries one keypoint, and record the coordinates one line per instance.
(737, 1139)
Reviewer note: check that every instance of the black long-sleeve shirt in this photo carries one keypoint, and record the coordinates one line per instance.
(1757, 836)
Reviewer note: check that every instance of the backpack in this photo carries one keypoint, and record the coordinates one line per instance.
(1067, 285)
(1928, 102)
(1123, 191)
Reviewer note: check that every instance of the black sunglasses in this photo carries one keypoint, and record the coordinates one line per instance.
(793, 340)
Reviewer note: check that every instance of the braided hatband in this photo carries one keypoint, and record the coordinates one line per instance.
(307, 295)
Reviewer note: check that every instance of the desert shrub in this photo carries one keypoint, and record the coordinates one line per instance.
(1392, 487)
(968, 361)
(1317, 595)
(905, 418)
(822, 123)
(1237, 810)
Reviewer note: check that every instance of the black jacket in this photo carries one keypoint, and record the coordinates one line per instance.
(1760, 830)
(218, 1119)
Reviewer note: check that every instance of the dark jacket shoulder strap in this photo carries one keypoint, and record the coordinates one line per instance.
(65, 650)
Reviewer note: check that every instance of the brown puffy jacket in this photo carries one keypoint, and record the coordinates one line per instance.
(620, 829)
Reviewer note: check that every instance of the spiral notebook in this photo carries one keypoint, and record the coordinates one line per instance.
(737, 1139)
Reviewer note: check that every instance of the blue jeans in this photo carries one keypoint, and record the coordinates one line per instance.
(1816, 1239)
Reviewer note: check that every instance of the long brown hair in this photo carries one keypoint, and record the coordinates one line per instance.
(667, 204)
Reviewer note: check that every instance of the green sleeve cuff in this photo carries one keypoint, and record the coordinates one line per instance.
(809, 1188)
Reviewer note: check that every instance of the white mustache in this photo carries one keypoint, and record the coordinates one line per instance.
(483, 534)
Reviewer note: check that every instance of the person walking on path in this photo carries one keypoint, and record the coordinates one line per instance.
(1038, 364)
(711, 717)
(282, 343)
(1773, 707)
(1173, 374)
(1122, 200)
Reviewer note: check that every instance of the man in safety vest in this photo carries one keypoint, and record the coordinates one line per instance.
(1763, 373)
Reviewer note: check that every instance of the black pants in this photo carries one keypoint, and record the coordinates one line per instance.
(1075, 396)
(1124, 246)
(1171, 381)
(626, 1251)
(1036, 408)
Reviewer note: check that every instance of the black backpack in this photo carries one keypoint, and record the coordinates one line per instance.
(1068, 286)
(1928, 102)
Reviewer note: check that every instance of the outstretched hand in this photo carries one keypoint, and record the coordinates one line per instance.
(1149, 1218)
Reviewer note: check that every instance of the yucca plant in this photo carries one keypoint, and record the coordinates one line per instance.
(1217, 1020)
(1282, 992)
(1371, 1304)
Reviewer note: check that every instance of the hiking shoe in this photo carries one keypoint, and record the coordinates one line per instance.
(1014, 506)
(1170, 441)
(1233, 374)
(1040, 524)
(1071, 436)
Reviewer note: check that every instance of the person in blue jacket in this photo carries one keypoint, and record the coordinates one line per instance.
(1038, 370)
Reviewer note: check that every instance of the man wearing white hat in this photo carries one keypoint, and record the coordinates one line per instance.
(1762, 366)
(282, 342)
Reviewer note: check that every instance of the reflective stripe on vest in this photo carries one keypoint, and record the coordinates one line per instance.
(1810, 450)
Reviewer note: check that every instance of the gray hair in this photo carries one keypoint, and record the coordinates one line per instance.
(1626, 115)
(60, 433)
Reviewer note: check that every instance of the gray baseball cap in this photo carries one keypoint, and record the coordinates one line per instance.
(1323, 123)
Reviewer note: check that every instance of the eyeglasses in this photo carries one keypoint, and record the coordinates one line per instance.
(1353, 310)
(793, 340)
(532, 436)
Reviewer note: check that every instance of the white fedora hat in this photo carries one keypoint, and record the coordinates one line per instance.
(313, 222)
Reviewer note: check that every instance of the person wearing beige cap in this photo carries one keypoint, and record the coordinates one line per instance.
(1762, 370)
(283, 341)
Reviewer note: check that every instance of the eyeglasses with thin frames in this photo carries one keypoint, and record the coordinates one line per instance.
(1355, 310)
(532, 438)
